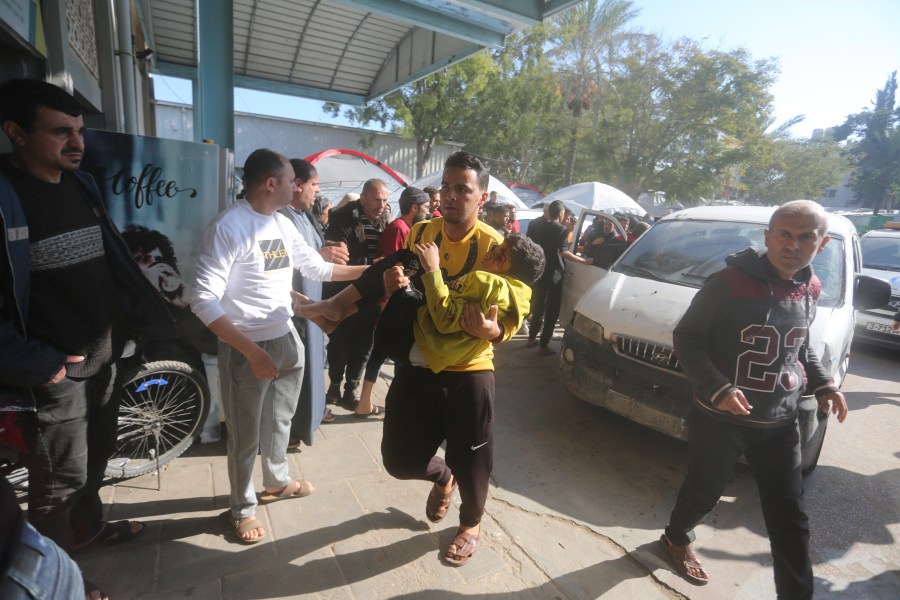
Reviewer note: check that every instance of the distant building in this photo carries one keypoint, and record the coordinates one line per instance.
(299, 139)
(840, 196)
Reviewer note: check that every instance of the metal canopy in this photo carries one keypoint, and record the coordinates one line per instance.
(348, 51)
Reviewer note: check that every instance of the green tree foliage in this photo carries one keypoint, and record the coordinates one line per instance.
(428, 109)
(874, 137)
(586, 41)
(794, 169)
(514, 122)
(680, 118)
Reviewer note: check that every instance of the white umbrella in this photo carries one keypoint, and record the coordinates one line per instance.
(596, 196)
(495, 185)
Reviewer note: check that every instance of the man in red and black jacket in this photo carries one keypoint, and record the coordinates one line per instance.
(744, 344)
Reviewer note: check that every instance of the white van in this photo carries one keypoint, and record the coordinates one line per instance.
(617, 349)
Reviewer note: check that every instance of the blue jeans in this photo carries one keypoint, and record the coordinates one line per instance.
(39, 570)
(65, 472)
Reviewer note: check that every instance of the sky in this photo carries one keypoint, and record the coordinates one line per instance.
(834, 54)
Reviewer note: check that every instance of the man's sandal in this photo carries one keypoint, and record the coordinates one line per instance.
(684, 559)
(240, 529)
(462, 548)
(113, 532)
(439, 502)
(298, 488)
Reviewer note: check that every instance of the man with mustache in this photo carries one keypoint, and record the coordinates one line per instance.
(744, 344)
(70, 295)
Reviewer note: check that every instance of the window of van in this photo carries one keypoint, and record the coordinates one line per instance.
(688, 252)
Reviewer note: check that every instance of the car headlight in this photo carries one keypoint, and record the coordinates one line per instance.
(588, 328)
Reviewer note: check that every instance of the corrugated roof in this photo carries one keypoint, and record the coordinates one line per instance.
(348, 51)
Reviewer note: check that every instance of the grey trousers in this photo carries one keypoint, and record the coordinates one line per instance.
(258, 413)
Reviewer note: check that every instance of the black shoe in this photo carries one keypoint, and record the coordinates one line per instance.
(349, 402)
(333, 395)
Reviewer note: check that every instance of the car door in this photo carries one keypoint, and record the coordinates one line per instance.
(579, 278)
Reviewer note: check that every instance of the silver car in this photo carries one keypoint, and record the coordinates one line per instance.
(881, 259)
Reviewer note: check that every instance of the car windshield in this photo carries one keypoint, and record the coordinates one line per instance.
(881, 252)
(688, 252)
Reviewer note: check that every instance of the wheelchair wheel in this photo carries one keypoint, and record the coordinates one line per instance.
(163, 407)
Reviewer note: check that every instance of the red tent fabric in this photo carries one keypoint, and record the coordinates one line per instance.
(342, 171)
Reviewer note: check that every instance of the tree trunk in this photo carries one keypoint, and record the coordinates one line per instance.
(424, 146)
(573, 146)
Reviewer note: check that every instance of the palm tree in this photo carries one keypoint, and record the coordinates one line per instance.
(586, 42)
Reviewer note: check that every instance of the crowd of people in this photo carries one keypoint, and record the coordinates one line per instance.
(433, 290)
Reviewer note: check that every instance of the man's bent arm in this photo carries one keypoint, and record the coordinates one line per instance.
(691, 340)
(347, 272)
(260, 362)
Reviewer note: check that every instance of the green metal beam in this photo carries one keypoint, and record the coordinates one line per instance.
(442, 22)
(523, 11)
(551, 7)
(215, 75)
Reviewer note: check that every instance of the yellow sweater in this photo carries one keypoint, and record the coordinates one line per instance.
(459, 258)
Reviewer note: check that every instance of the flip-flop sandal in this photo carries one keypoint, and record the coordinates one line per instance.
(113, 533)
(377, 411)
(466, 544)
(438, 502)
(240, 529)
(298, 488)
(684, 558)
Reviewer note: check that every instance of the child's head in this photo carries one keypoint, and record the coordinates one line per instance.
(518, 257)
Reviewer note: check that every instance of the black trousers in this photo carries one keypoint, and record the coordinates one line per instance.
(348, 350)
(774, 458)
(422, 410)
(72, 437)
(546, 301)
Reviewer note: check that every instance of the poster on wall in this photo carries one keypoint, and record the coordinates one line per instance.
(160, 193)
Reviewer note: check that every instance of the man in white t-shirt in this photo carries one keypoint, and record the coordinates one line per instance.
(242, 293)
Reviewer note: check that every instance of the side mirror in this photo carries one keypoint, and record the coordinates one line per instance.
(870, 293)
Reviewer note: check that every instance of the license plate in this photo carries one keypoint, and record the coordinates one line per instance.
(882, 328)
(645, 415)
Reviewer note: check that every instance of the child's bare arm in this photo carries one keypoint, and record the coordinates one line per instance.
(429, 256)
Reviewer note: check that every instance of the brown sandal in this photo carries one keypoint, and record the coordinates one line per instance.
(684, 558)
(298, 488)
(466, 544)
(438, 502)
(240, 529)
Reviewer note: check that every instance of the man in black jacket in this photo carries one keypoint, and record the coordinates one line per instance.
(552, 236)
(359, 225)
(70, 294)
(744, 344)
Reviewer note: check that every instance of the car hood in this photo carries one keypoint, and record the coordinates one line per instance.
(650, 310)
(636, 307)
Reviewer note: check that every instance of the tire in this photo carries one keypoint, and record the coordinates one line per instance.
(166, 397)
